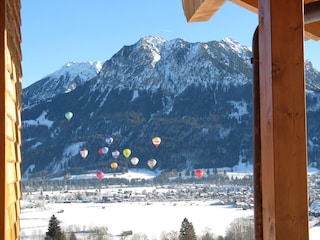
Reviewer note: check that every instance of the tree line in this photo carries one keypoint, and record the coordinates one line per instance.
(239, 229)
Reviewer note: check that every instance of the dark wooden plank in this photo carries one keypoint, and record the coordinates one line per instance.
(2, 123)
(258, 224)
(251, 5)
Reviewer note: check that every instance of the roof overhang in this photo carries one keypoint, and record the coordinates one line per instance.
(203, 10)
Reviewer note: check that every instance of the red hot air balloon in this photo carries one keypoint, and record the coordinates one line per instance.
(199, 173)
(100, 175)
(156, 141)
(103, 150)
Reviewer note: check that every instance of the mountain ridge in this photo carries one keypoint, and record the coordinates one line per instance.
(196, 96)
(66, 79)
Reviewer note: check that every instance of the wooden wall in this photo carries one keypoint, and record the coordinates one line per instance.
(10, 121)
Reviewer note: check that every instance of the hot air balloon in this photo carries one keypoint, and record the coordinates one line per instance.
(109, 140)
(199, 173)
(126, 152)
(68, 115)
(114, 165)
(115, 154)
(151, 163)
(134, 160)
(100, 175)
(103, 150)
(156, 141)
(84, 152)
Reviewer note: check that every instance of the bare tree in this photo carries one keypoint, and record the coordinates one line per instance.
(139, 236)
(172, 235)
(241, 229)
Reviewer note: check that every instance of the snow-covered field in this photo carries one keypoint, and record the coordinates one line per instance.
(151, 218)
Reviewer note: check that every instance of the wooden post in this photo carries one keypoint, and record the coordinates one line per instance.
(2, 123)
(283, 120)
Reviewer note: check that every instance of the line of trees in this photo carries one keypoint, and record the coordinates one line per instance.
(34, 184)
(239, 229)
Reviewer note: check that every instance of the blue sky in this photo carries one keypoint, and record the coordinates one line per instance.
(55, 32)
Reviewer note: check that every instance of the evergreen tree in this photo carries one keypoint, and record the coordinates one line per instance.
(187, 231)
(54, 230)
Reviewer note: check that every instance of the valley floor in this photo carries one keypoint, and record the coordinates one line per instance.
(150, 218)
(140, 217)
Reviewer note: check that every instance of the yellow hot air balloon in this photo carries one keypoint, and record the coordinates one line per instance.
(156, 141)
(126, 152)
(151, 163)
(114, 165)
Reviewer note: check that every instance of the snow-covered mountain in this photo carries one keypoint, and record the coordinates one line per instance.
(63, 80)
(153, 63)
(196, 96)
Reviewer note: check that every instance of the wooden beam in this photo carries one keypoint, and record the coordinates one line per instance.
(283, 120)
(251, 5)
(200, 10)
(312, 31)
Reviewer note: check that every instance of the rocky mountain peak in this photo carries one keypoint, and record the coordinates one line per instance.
(66, 79)
(196, 96)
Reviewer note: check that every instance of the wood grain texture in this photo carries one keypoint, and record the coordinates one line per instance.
(10, 122)
(283, 120)
(203, 10)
